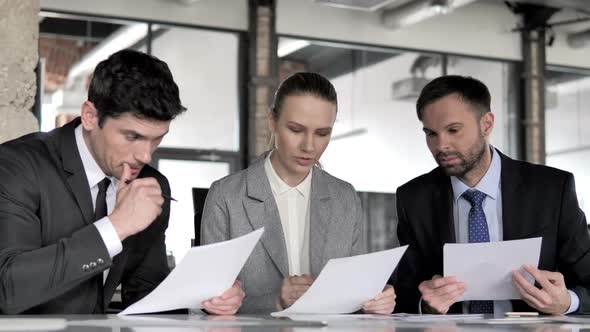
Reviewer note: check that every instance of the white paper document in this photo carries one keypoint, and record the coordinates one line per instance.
(486, 268)
(205, 272)
(346, 283)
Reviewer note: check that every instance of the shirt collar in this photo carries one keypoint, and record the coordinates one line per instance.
(279, 187)
(489, 183)
(94, 173)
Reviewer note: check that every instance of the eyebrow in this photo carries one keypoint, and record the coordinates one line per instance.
(300, 125)
(446, 127)
(139, 135)
(454, 124)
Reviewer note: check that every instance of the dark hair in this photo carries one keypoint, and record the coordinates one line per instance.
(303, 83)
(133, 82)
(469, 89)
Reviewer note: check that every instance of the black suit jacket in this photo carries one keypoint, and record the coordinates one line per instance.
(536, 201)
(47, 233)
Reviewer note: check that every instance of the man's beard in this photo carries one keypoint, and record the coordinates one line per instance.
(471, 160)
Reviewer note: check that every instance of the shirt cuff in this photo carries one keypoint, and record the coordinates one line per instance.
(574, 302)
(109, 236)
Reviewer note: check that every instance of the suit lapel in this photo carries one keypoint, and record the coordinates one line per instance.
(77, 183)
(262, 211)
(443, 207)
(320, 221)
(514, 226)
(76, 177)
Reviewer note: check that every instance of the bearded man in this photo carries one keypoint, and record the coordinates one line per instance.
(477, 194)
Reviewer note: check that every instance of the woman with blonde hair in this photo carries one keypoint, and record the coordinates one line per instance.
(309, 216)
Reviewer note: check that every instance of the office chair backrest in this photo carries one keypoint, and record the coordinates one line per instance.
(199, 195)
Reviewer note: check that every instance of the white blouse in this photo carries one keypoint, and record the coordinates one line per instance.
(293, 205)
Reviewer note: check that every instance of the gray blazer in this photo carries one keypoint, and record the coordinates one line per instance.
(243, 202)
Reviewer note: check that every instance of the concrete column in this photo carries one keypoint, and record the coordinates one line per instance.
(19, 35)
(533, 49)
(532, 31)
(263, 71)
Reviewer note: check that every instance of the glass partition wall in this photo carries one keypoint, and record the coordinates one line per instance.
(567, 119)
(377, 143)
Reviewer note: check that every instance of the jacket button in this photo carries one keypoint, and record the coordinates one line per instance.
(100, 261)
(85, 267)
(92, 265)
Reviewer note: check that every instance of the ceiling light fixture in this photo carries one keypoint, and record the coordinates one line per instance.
(120, 39)
(418, 11)
(287, 46)
(364, 5)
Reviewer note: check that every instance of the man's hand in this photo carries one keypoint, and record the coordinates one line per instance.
(439, 294)
(139, 203)
(552, 298)
(382, 304)
(292, 289)
(228, 303)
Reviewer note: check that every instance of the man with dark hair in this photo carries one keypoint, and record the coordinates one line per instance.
(477, 194)
(81, 211)
(468, 89)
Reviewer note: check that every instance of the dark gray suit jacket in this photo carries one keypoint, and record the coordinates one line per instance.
(243, 202)
(47, 233)
(536, 201)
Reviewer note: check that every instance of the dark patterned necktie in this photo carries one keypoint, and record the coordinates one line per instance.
(478, 232)
(101, 211)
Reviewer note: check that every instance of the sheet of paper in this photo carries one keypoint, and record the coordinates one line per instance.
(205, 272)
(346, 283)
(486, 268)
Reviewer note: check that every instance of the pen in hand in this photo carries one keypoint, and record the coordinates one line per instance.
(128, 181)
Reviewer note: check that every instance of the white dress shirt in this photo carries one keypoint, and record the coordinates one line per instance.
(293, 206)
(94, 174)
